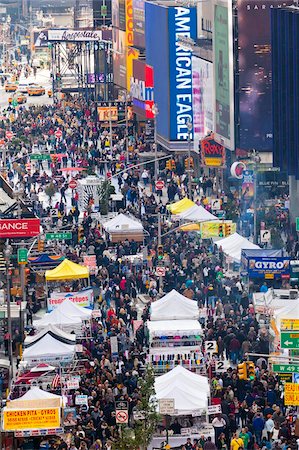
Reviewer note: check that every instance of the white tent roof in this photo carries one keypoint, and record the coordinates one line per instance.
(174, 327)
(52, 330)
(189, 391)
(58, 318)
(234, 244)
(122, 223)
(48, 346)
(71, 309)
(196, 213)
(35, 393)
(174, 306)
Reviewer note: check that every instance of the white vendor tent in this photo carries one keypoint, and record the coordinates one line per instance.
(124, 227)
(196, 213)
(174, 306)
(234, 244)
(189, 390)
(174, 328)
(55, 332)
(34, 397)
(59, 319)
(70, 308)
(48, 349)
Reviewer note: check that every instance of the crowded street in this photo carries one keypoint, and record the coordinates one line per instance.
(148, 285)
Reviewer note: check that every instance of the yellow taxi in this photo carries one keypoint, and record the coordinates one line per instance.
(10, 87)
(19, 96)
(35, 90)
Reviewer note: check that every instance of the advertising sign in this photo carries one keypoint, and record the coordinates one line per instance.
(82, 298)
(268, 267)
(289, 324)
(223, 74)
(91, 262)
(106, 113)
(72, 35)
(115, 13)
(40, 38)
(30, 419)
(139, 23)
(129, 23)
(42, 432)
(248, 184)
(19, 228)
(202, 89)
(69, 417)
(142, 89)
(122, 14)
(291, 394)
(181, 21)
(119, 57)
(212, 153)
(132, 55)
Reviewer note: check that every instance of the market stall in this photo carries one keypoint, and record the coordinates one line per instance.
(234, 244)
(61, 320)
(189, 211)
(124, 227)
(53, 331)
(174, 306)
(49, 350)
(67, 270)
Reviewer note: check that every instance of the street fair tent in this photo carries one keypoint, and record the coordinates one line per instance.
(60, 320)
(189, 391)
(174, 306)
(187, 210)
(124, 227)
(234, 244)
(67, 270)
(174, 328)
(53, 331)
(181, 206)
(69, 308)
(49, 349)
(36, 398)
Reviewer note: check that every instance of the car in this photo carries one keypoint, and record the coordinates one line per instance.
(10, 87)
(19, 96)
(23, 87)
(36, 90)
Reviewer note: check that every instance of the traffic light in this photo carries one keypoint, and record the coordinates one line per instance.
(221, 230)
(173, 166)
(187, 163)
(40, 245)
(27, 276)
(160, 252)
(80, 234)
(168, 164)
(250, 370)
(228, 229)
(242, 371)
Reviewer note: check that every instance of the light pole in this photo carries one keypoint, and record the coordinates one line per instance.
(189, 127)
(255, 158)
(8, 250)
(155, 112)
(126, 98)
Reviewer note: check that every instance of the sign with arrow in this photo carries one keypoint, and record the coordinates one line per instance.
(289, 339)
(285, 368)
(265, 236)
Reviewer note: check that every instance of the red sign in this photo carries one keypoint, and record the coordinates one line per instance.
(19, 228)
(58, 134)
(73, 184)
(9, 134)
(142, 89)
(159, 185)
(213, 154)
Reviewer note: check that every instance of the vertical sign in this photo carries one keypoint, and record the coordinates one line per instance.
(223, 74)
(248, 184)
(129, 23)
(181, 22)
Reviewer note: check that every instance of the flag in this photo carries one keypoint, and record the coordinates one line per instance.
(56, 381)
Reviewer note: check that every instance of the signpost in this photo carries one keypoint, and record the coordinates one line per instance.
(121, 414)
(160, 271)
(166, 406)
(39, 157)
(22, 256)
(289, 339)
(159, 185)
(73, 184)
(59, 236)
(285, 368)
(265, 236)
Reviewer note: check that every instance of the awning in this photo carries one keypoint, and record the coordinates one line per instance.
(67, 270)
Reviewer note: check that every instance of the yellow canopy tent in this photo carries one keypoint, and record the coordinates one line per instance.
(181, 206)
(67, 270)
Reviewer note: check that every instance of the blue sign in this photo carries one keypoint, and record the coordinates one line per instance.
(181, 24)
(268, 267)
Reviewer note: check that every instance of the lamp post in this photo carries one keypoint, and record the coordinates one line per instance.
(155, 112)
(189, 127)
(8, 250)
(255, 158)
(126, 98)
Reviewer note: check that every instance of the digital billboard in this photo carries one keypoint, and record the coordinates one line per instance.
(255, 73)
(115, 13)
(132, 55)
(157, 56)
(223, 74)
(119, 58)
(181, 22)
(202, 90)
(122, 14)
(142, 89)
(139, 23)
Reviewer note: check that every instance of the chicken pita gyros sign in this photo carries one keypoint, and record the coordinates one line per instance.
(19, 228)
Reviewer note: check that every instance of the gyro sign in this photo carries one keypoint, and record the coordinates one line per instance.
(19, 228)
(269, 267)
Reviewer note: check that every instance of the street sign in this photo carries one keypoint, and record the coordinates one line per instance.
(265, 236)
(121, 416)
(291, 394)
(81, 400)
(289, 324)
(73, 184)
(22, 256)
(121, 404)
(160, 271)
(59, 236)
(210, 347)
(159, 185)
(39, 157)
(54, 212)
(58, 134)
(297, 223)
(289, 339)
(9, 134)
(285, 368)
(216, 204)
(221, 366)
(166, 406)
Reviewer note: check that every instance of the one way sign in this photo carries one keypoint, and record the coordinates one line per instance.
(265, 236)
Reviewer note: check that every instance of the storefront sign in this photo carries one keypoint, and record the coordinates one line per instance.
(263, 267)
(291, 394)
(82, 298)
(19, 228)
(129, 23)
(74, 35)
(212, 153)
(106, 113)
(30, 419)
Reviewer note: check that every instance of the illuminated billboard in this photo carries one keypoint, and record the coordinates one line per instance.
(142, 89)
(119, 58)
(139, 23)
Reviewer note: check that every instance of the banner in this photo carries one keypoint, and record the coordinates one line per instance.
(91, 262)
(212, 153)
(30, 419)
(19, 228)
(268, 267)
(81, 298)
(69, 417)
(105, 112)
(291, 394)
(74, 35)
(248, 184)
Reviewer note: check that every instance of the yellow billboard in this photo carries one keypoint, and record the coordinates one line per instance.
(289, 324)
(30, 419)
(217, 229)
(132, 54)
(291, 394)
(129, 23)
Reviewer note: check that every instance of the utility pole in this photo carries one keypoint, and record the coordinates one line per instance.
(159, 243)
(256, 159)
(155, 111)
(7, 254)
(189, 126)
(127, 130)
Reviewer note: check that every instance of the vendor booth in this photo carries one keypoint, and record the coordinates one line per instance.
(67, 270)
(233, 245)
(61, 320)
(49, 350)
(174, 306)
(124, 227)
(53, 331)
(186, 209)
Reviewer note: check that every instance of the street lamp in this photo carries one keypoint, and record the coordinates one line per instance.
(127, 98)
(155, 112)
(8, 250)
(256, 159)
(189, 127)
